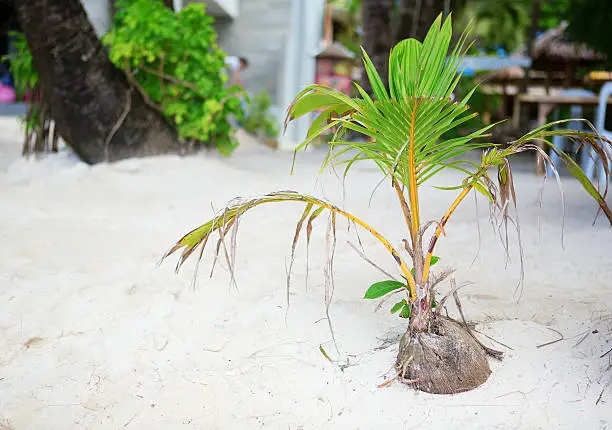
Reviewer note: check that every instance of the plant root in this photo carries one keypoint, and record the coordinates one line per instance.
(445, 360)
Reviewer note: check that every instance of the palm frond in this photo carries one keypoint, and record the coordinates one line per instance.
(500, 190)
(228, 218)
(407, 123)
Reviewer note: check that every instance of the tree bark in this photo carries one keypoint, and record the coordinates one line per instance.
(415, 17)
(377, 37)
(383, 28)
(95, 110)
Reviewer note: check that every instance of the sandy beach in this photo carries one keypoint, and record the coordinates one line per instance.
(95, 335)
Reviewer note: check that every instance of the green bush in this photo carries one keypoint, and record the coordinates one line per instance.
(37, 120)
(258, 120)
(175, 60)
(22, 68)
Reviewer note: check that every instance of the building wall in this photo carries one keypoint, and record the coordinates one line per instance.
(280, 38)
(222, 8)
(299, 66)
(259, 33)
(99, 14)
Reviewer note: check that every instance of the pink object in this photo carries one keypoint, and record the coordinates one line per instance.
(7, 94)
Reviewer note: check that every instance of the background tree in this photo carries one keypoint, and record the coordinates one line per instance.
(497, 24)
(414, 17)
(377, 37)
(590, 22)
(386, 22)
(173, 58)
(96, 111)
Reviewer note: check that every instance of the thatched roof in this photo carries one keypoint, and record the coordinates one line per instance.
(555, 46)
(335, 50)
(515, 75)
(554, 56)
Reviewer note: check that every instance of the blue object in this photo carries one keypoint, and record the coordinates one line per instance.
(501, 52)
(594, 165)
(468, 72)
(7, 80)
(562, 142)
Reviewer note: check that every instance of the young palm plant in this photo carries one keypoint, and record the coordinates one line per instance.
(407, 128)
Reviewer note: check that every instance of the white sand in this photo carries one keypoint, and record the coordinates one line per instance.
(93, 335)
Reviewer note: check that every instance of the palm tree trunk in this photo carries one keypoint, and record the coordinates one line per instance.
(383, 27)
(95, 110)
(377, 36)
(415, 17)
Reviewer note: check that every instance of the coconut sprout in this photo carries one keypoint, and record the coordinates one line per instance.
(407, 129)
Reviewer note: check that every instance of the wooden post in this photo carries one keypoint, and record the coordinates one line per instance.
(516, 111)
(328, 30)
(535, 13)
(544, 109)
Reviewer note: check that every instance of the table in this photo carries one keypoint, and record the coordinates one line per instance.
(547, 104)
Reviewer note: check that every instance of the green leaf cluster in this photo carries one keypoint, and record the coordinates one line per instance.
(382, 288)
(258, 119)
(22, 67)
(175, 58)
(25, 76)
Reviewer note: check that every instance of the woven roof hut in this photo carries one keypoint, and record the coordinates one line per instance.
(553, 50)
(554, 64)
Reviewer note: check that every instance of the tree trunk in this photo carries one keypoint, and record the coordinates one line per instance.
(377, 37)
(383, 28)
(415, 17)
(169, 4)
(95, 110)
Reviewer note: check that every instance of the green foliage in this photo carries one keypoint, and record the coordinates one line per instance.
(396, 307)
(25, 77)
(175, 59)
(405, 312)
(22, 67)
(258, 119)
(552, 12)
(590, 23)
(402, 307)
(382, 288)
(498, 23)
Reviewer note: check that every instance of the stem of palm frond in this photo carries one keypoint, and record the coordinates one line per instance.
(403, 203)
(440, 229)
(381, 239)
(200, 235)
(413, 187)
(407, 218)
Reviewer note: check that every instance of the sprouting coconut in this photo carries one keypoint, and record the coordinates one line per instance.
(406, 128)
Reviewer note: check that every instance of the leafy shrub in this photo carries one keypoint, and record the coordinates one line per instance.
(22, 68)
(172, 58)
(259, 121)
(39, 136)
(175, 60)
